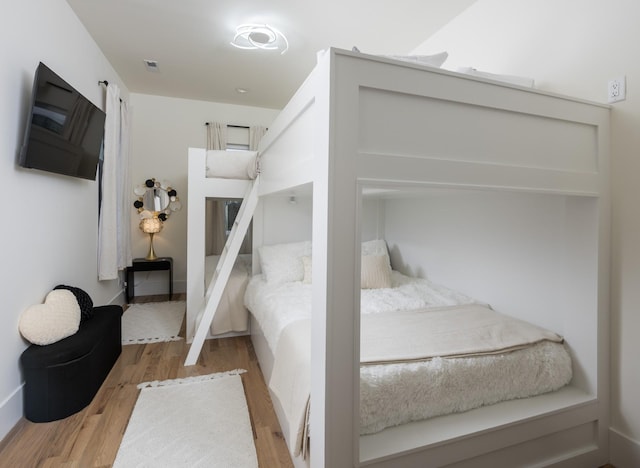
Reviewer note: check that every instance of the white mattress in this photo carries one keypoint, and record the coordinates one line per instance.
(393, 394)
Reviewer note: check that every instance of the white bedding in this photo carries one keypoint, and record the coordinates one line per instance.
(275, 306)
(426, 388)
(232, 315)
(232, 164)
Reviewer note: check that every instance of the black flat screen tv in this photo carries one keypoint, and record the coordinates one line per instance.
(64, 130)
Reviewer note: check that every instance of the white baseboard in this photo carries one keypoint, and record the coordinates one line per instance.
(10, 411)
(624, 452)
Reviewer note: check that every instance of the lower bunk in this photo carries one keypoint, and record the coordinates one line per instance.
(511, 433)
(436, 364)
(232, 317)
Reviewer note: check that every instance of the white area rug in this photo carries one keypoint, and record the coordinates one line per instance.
(190, 423)
(152, 322)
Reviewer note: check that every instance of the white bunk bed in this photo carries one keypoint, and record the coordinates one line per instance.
(363, 126)
(238, 171)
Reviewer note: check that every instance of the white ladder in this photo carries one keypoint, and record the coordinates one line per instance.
(223, 270)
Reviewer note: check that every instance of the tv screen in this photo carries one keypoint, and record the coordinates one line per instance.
(64, 129)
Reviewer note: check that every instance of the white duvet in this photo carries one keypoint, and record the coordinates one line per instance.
(275, 306)
(394, 394)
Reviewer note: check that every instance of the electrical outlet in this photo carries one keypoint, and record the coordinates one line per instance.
(617, 90)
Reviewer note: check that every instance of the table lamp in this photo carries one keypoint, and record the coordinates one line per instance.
(151, 226)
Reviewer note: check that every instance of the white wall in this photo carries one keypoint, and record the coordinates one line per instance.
(575, 47)
(531, 256)
(163, 129)
(49, 222)
(291, 221)
(287, 221)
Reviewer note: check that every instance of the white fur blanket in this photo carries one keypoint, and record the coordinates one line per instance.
(539, 364)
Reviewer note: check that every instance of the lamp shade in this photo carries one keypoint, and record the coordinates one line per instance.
(151, 225)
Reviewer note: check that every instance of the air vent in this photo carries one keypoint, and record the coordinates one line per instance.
(151, 65)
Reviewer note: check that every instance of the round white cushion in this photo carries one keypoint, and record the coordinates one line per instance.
(57, 318)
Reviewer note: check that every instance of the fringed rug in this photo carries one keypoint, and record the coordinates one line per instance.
(194, 422)
(152, 322)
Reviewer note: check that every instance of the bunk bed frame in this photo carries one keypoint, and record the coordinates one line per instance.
(359, 122)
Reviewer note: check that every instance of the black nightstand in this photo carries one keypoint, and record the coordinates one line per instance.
(142, 264)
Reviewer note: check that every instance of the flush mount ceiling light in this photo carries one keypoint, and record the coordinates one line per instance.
(260, 36)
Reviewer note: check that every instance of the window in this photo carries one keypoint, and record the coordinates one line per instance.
(231, 208)
(237, 147)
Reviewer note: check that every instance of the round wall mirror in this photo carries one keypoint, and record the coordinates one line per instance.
(156, 199)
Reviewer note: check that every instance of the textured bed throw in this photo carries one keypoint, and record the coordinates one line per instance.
(193, 422)
(434, 361)
(455, 331)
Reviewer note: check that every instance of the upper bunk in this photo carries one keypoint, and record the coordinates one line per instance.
(397, 122)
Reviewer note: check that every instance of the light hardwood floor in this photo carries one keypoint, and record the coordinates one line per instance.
(91, 437)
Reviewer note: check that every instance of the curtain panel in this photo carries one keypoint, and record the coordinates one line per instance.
(114, 238)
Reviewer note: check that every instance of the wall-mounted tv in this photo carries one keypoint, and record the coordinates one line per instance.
(64, 130)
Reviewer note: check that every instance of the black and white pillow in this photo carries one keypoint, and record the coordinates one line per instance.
(84, 301)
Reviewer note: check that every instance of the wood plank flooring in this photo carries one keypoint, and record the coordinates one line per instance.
(91, 437)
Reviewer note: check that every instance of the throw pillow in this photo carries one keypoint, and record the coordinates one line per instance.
(57, 318)
(375, 272)
(282, 263)
(84, 301)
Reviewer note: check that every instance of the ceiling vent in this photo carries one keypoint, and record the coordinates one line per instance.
(151, 65)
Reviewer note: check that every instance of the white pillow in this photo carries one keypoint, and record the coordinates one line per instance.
(375, 272)
(306, 264)
(282, 263)
(57, 318)
(231, 164)
(512, 79)
(435, 60)
(375, 247)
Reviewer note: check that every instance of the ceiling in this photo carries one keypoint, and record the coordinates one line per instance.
(190, 40)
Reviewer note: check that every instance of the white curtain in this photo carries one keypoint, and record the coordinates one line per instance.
(114, 249)
(215, 236)
(255, 135)
(216, 136)
(124, 190)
